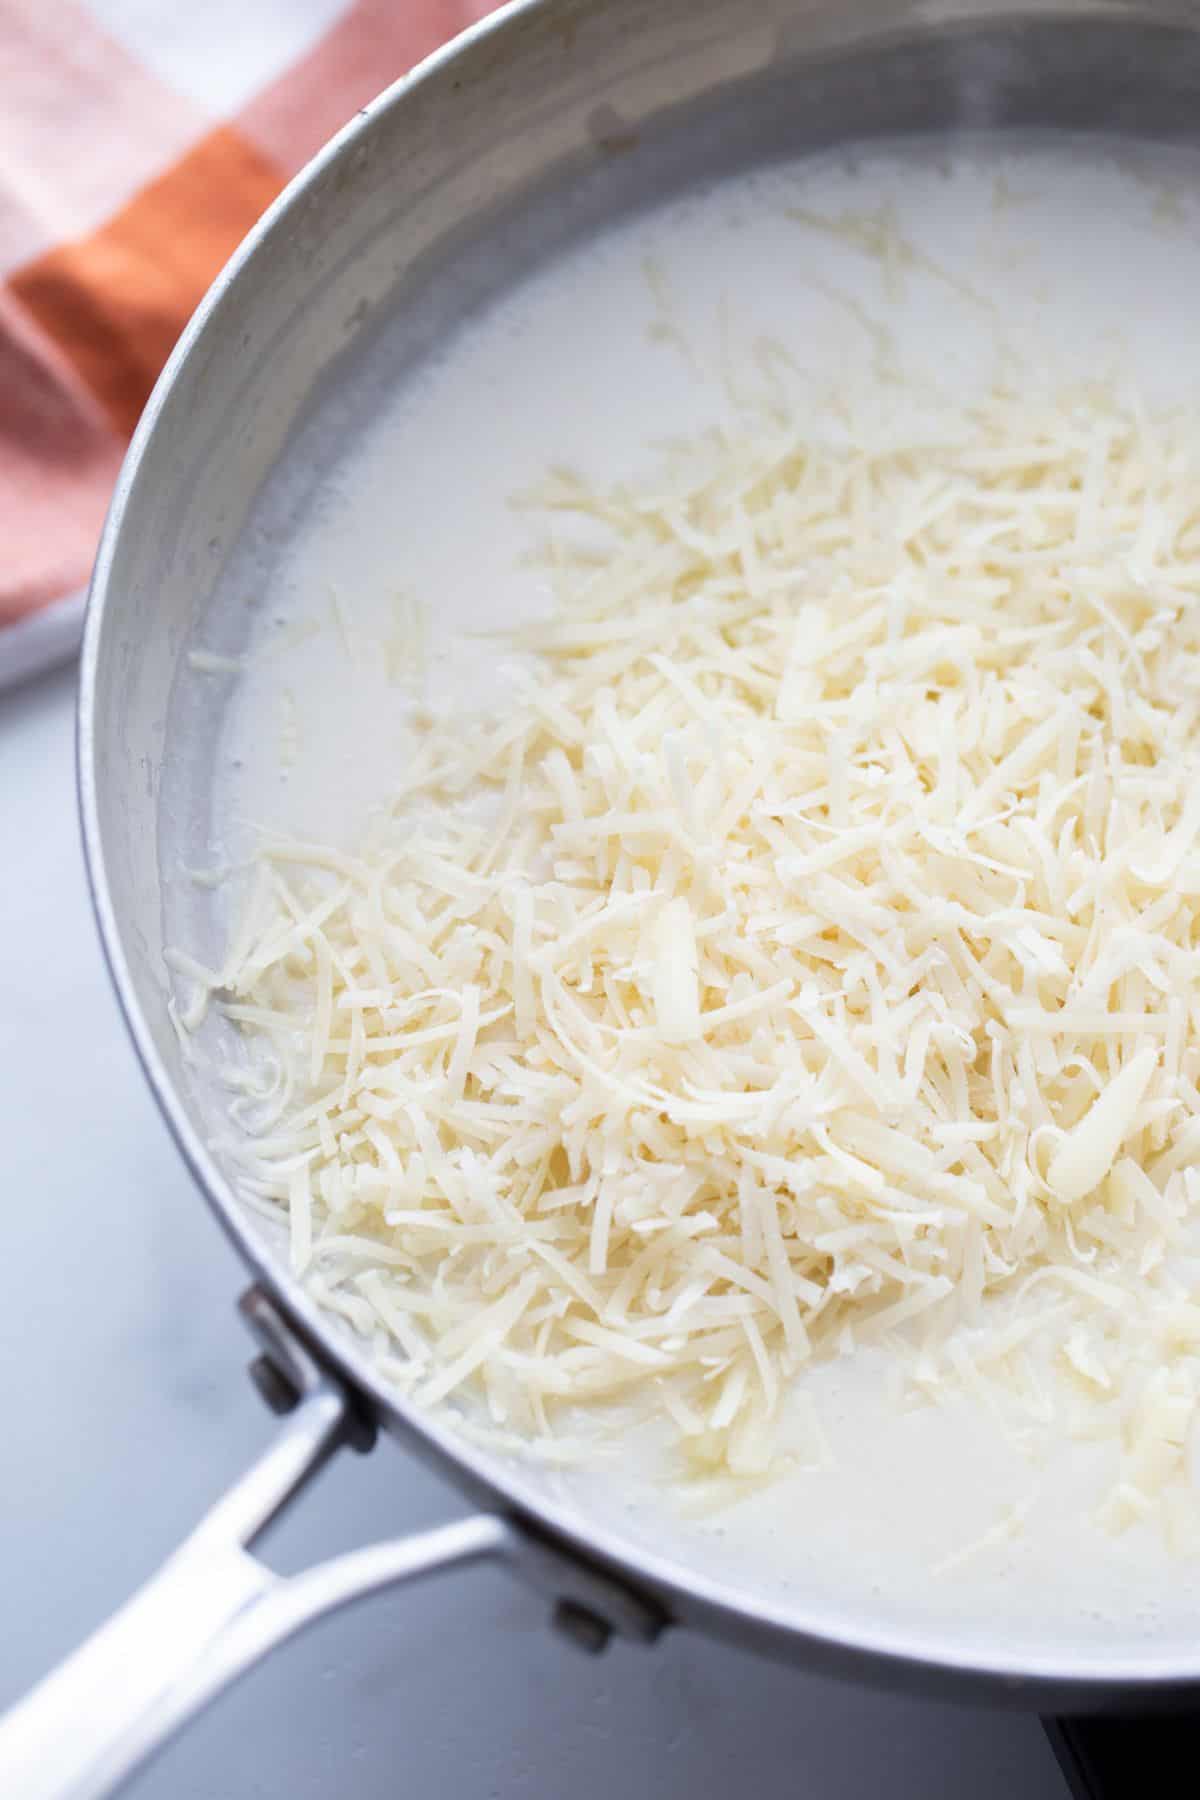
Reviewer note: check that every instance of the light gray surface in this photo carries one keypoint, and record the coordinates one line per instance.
(126, 1410)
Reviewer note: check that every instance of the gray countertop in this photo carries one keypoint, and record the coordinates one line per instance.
(127, 1411)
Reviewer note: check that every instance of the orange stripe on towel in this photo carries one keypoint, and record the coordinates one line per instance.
(58, 459)
(115, 302)
(82, 125)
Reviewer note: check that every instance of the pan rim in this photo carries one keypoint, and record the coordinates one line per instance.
(922, 1658)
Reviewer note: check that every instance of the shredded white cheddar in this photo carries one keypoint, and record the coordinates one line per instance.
(806, 956)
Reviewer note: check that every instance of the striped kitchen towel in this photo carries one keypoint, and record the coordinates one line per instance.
(139, 141)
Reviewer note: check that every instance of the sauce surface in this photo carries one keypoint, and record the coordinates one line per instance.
(1053, 260)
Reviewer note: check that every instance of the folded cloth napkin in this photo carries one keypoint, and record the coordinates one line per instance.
(139, 141)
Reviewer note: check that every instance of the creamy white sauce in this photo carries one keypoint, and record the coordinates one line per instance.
(1067, 258)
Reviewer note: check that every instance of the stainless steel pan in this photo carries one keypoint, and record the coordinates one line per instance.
(536, 126)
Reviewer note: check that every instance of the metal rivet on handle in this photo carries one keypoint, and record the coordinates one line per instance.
(273, 1385)
(582, 1627)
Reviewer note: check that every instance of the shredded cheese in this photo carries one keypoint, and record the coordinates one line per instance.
(803, 958)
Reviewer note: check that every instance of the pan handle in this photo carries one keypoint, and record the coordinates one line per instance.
(1113, 1756)
(213, 1610)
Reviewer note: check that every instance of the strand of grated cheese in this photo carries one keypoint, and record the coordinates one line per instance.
(804, 957)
